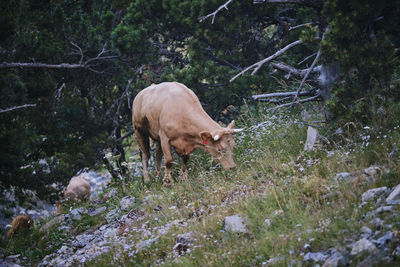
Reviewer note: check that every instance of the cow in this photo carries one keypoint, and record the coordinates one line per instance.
(171, 115)
(19, 223)
(78, 189)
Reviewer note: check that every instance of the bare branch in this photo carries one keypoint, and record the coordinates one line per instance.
(201, 19)
(306, 58)
(311, 3)
(17, 107)
(81, 65)
(300, 25)
(258, 65)
(80, 51)
(313, 98)
(6, 65)
(284, 94)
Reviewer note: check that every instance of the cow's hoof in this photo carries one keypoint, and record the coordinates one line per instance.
(167, 182)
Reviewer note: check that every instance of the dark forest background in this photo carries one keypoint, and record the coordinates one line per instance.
(70, 69)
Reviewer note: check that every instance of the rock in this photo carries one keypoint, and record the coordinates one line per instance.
(373, 193)
(366, 232)
(76, 214)
(127, 202)
(336, 259)
(82, 240)
(98, 211)
(315, 257)
(372, 170)
(363, 245)
(110, 232)
(234, 224)
(342, 176)
(384, 240)
(50, 224)
(384, 209)
(183, 242)
(312, 135)
(158, 208)
(113, 215)
(396, 252)
(267, 222)
(376, 222)
(393, 195)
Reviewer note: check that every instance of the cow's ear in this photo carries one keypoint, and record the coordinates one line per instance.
(231, 125)
(205, 136)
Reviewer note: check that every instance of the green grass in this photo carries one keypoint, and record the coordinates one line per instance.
(274, 179)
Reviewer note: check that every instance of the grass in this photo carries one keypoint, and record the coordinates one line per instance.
(275, 179)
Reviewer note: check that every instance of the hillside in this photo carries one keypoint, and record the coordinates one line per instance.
(335, 205)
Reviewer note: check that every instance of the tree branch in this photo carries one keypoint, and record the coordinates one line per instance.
(201, 19)
(313, 98)
(259, 64)
(284, 94)
(311, 3)
(17, 107)
(81, 65)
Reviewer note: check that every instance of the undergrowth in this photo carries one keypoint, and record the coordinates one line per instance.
(287, 196)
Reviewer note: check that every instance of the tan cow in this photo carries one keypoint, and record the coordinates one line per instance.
(171, 114)
(19, 223)
(78, 189)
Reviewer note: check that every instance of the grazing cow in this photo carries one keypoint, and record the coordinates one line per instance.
(171, 114)
(78, 189)
(19, 223)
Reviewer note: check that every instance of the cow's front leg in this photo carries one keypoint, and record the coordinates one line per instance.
(183, 172)
(158, 158)
(166, 149)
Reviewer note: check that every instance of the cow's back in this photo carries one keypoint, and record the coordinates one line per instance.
(167, 105)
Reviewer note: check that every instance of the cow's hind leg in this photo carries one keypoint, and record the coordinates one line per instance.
(166, 149)
(158, 158)
(144, 146)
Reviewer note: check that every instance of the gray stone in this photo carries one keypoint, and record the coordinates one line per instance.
(342, 176)
(234, 224)
(384, 209)
(183, 242)
(373, 193)
(127, 202)
(396, 252)
(315, 257)
(82, 240)
(112, 215)
(76, 214)
(394, 194)
(98, 211)
(376, 222)
(267, 222)
(363, 245)
(336, 259)
(312, 135)
(384, 240)
(366, 231)
(110, 232)
(372, 170)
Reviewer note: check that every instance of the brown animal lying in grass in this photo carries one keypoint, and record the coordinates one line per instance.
(19, 223)
(78, 189)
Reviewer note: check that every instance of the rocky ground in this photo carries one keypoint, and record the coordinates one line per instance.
(376, 238)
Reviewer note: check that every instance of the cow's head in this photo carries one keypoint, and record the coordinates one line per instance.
(220, 145)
